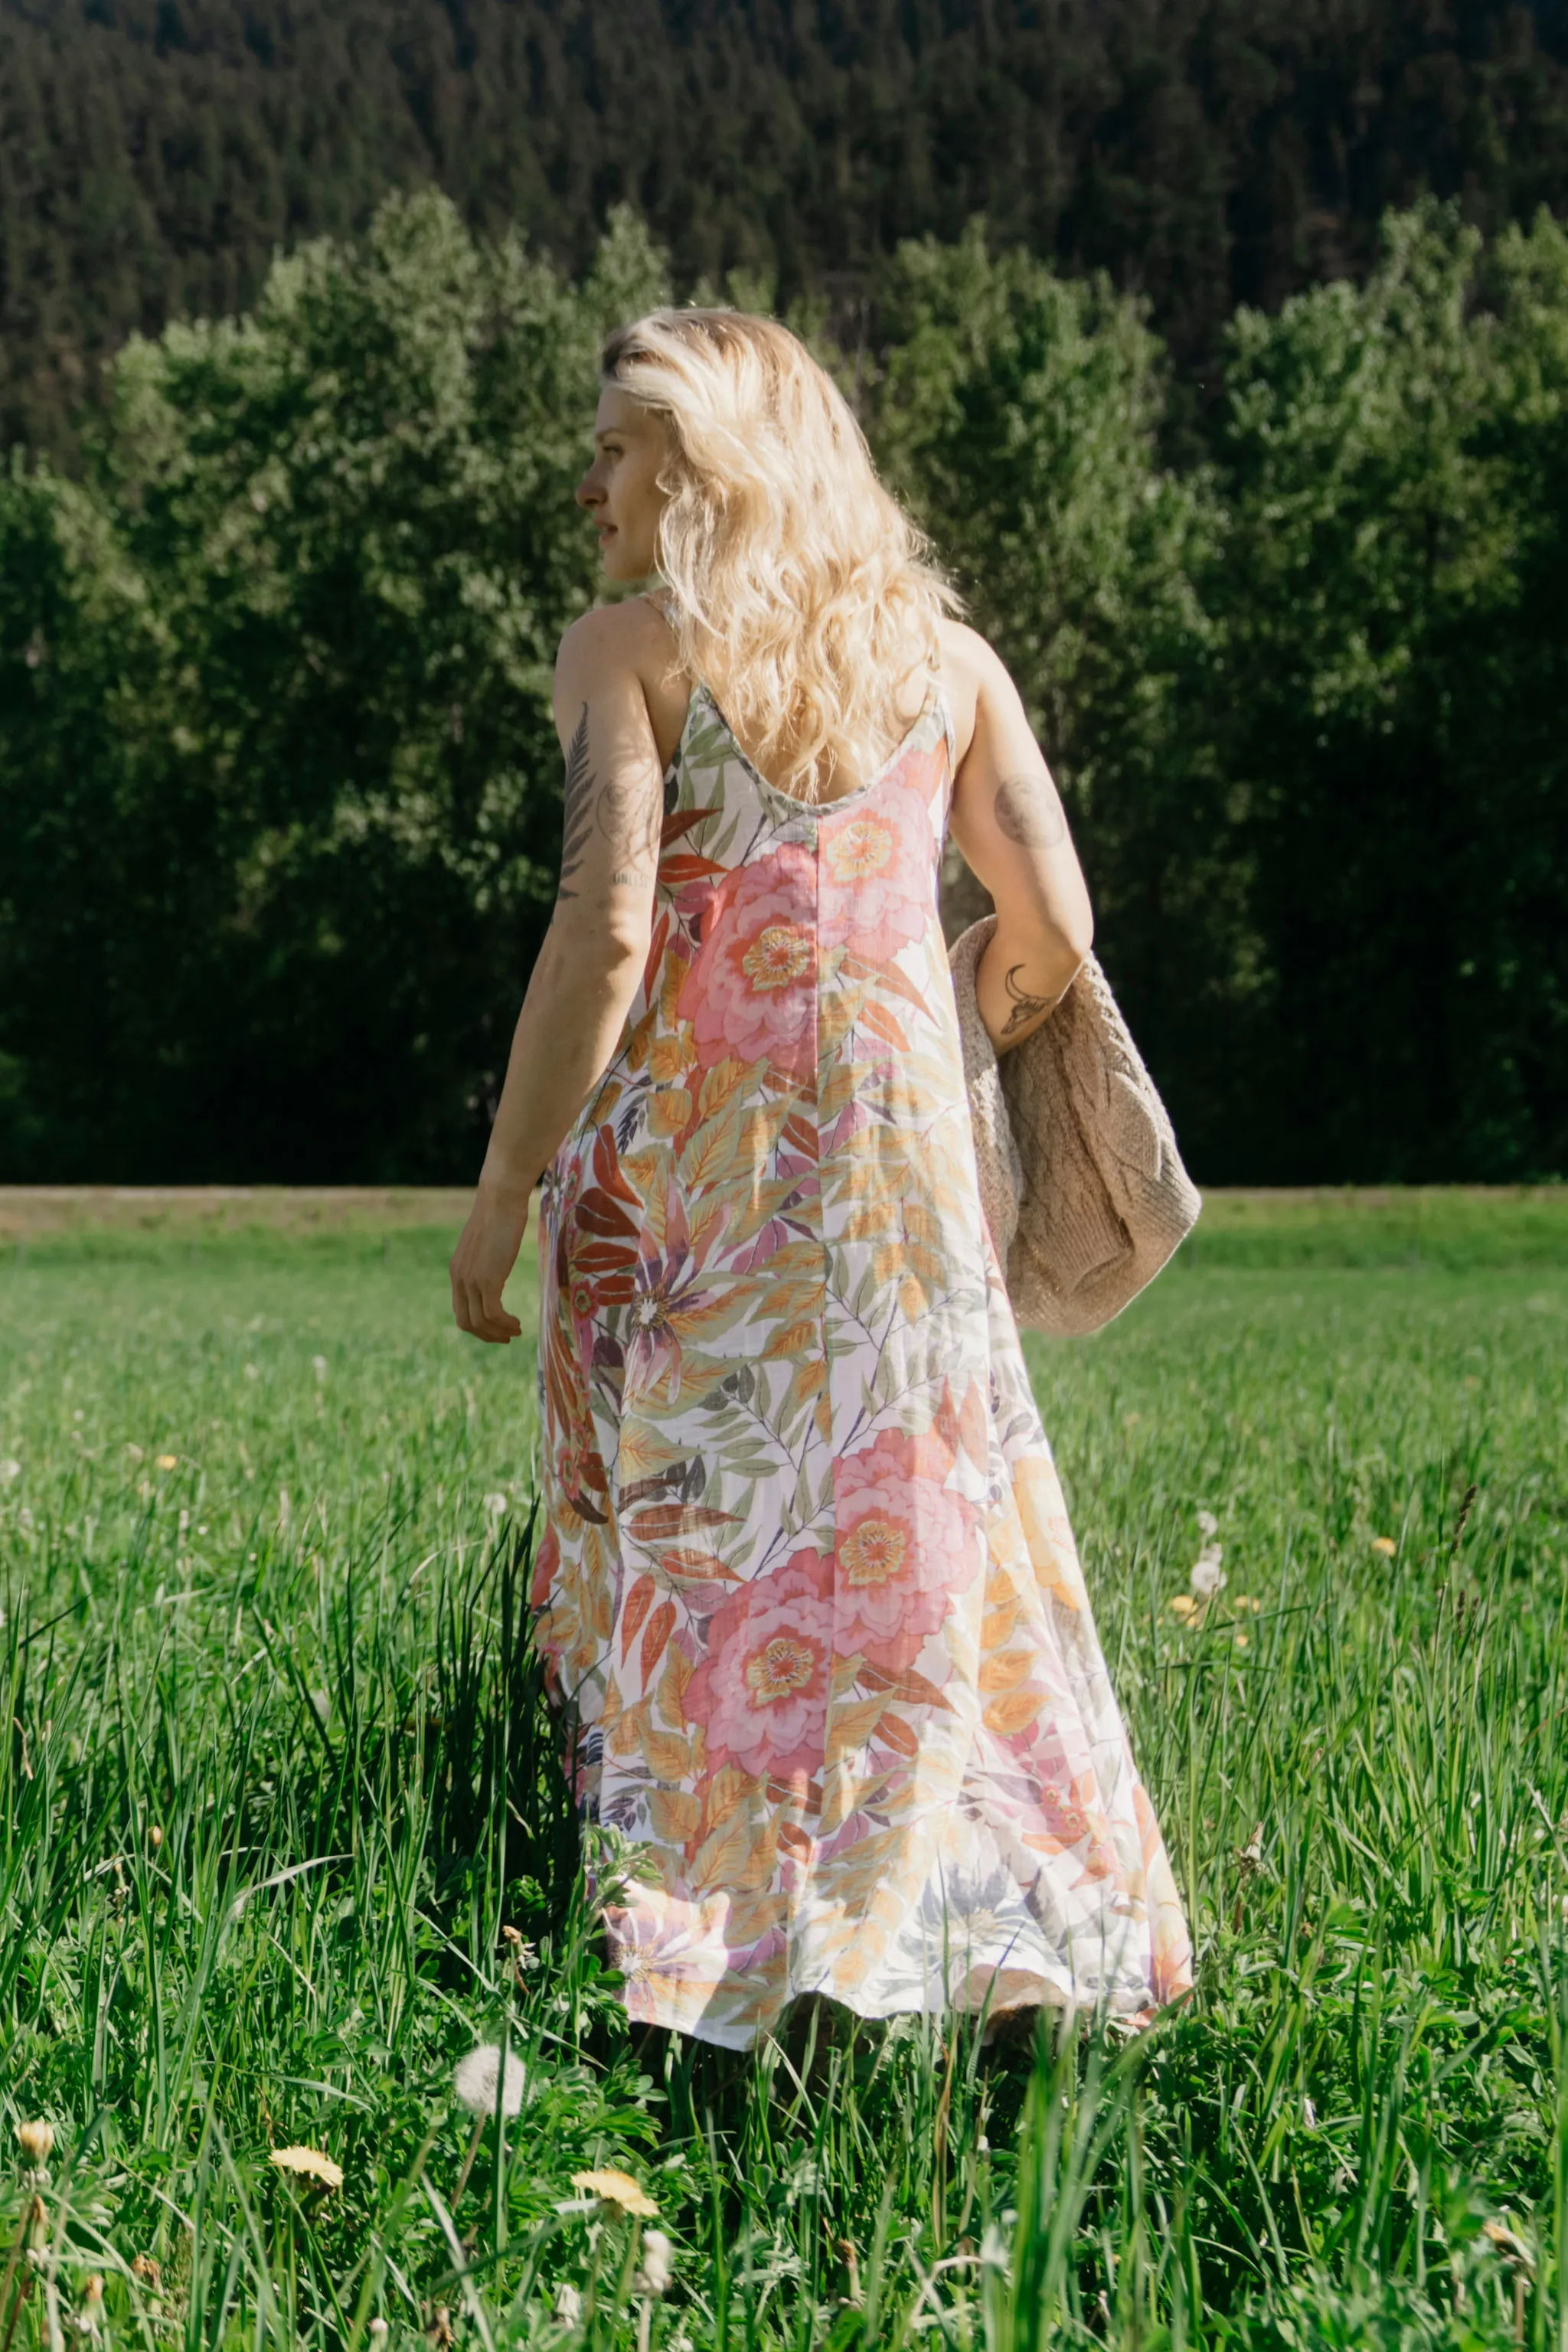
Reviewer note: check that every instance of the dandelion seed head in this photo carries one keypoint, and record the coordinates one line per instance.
(657, 2265)
(10, 1468)
(318, 1366)
(495, 1505)
(478, 2077)
(1207, 1575)
(1208, 1526)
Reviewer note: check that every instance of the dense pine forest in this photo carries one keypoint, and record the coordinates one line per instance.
(154, 153)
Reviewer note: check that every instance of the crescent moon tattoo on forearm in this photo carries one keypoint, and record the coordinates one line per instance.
(613, 806)
(1030, 812)
(1026, 1008)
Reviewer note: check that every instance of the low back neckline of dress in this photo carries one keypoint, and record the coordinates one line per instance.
(703, 693)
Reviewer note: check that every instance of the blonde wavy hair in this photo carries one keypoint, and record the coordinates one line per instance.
(797, 587)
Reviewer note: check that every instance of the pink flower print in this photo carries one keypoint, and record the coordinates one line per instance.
(752, 991)
(905, 1542)
(879, 868)
(761, 1693)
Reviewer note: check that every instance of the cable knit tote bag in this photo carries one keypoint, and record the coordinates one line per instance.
(1080, 1180)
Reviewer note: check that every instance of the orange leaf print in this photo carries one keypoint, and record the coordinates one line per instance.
(733, 1856)
(669, 1759)
(655, 952)
(1013, 1712)
(662, 1520)
(607, 1167)
(682, 822)
(793, 1339)
(687, 1567)
(659, 1628)
(898, 1735)
(675, 873)
(882, 1024)
(728, 1789)
(794, 1841)
(1004, 1669)
(639, 1600)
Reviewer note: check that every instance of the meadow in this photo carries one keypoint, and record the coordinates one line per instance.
(283, 1837)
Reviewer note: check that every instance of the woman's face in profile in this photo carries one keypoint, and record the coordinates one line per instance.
(620, 488)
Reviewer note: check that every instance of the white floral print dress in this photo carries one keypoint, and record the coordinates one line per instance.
(807, 1591)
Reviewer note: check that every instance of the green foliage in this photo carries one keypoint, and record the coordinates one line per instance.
(1392, 460)
(262, 1556)
(280, 776)
(279, 784)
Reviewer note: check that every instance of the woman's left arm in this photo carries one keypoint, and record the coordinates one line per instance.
(592, 961)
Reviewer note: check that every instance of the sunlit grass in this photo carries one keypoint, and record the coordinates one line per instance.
(277, 1788)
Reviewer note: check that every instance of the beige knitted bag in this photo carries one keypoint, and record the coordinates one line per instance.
(1080, 1180)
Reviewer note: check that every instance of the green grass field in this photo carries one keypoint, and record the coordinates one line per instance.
(275, 1782)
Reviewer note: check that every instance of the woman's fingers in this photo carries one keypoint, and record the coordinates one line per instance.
(478, 1269)
(481, 1312)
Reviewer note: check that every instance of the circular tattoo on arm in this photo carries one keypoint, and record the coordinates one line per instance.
(1030, 813)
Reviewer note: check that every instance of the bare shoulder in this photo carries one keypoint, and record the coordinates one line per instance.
(622, 650)
(973, 673)
(633, 636)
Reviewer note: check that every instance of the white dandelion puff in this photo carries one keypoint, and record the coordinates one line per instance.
(1208, 1526)
(1207, 1575)
(10, 1468)
(318, 1366)
(495, 1505)
(478, 2076)
(658, 2267)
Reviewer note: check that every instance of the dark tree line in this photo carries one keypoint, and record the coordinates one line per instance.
(280, 795)
(154, 153)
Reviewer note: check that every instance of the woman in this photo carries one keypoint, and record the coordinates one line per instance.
(807, 1584)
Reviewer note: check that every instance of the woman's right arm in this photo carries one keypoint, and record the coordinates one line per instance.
(1008, 820)
(592, 961)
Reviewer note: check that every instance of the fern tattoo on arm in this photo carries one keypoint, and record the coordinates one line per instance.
(578, 815)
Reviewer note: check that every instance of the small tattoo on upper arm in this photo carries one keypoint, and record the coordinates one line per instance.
(577, 796)
(1030, 814)
(1025, 1007)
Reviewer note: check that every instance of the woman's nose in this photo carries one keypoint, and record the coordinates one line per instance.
(588, 493)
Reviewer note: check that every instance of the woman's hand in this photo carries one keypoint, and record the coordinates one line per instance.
(486, 1253)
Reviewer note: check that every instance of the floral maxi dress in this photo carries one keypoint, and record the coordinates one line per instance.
(807, 1588)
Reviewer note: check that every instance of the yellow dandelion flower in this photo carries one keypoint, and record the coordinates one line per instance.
(1182, 1605)
(617, 2188)
(168, 1461)
(1385, 1545)
(312, 2163)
